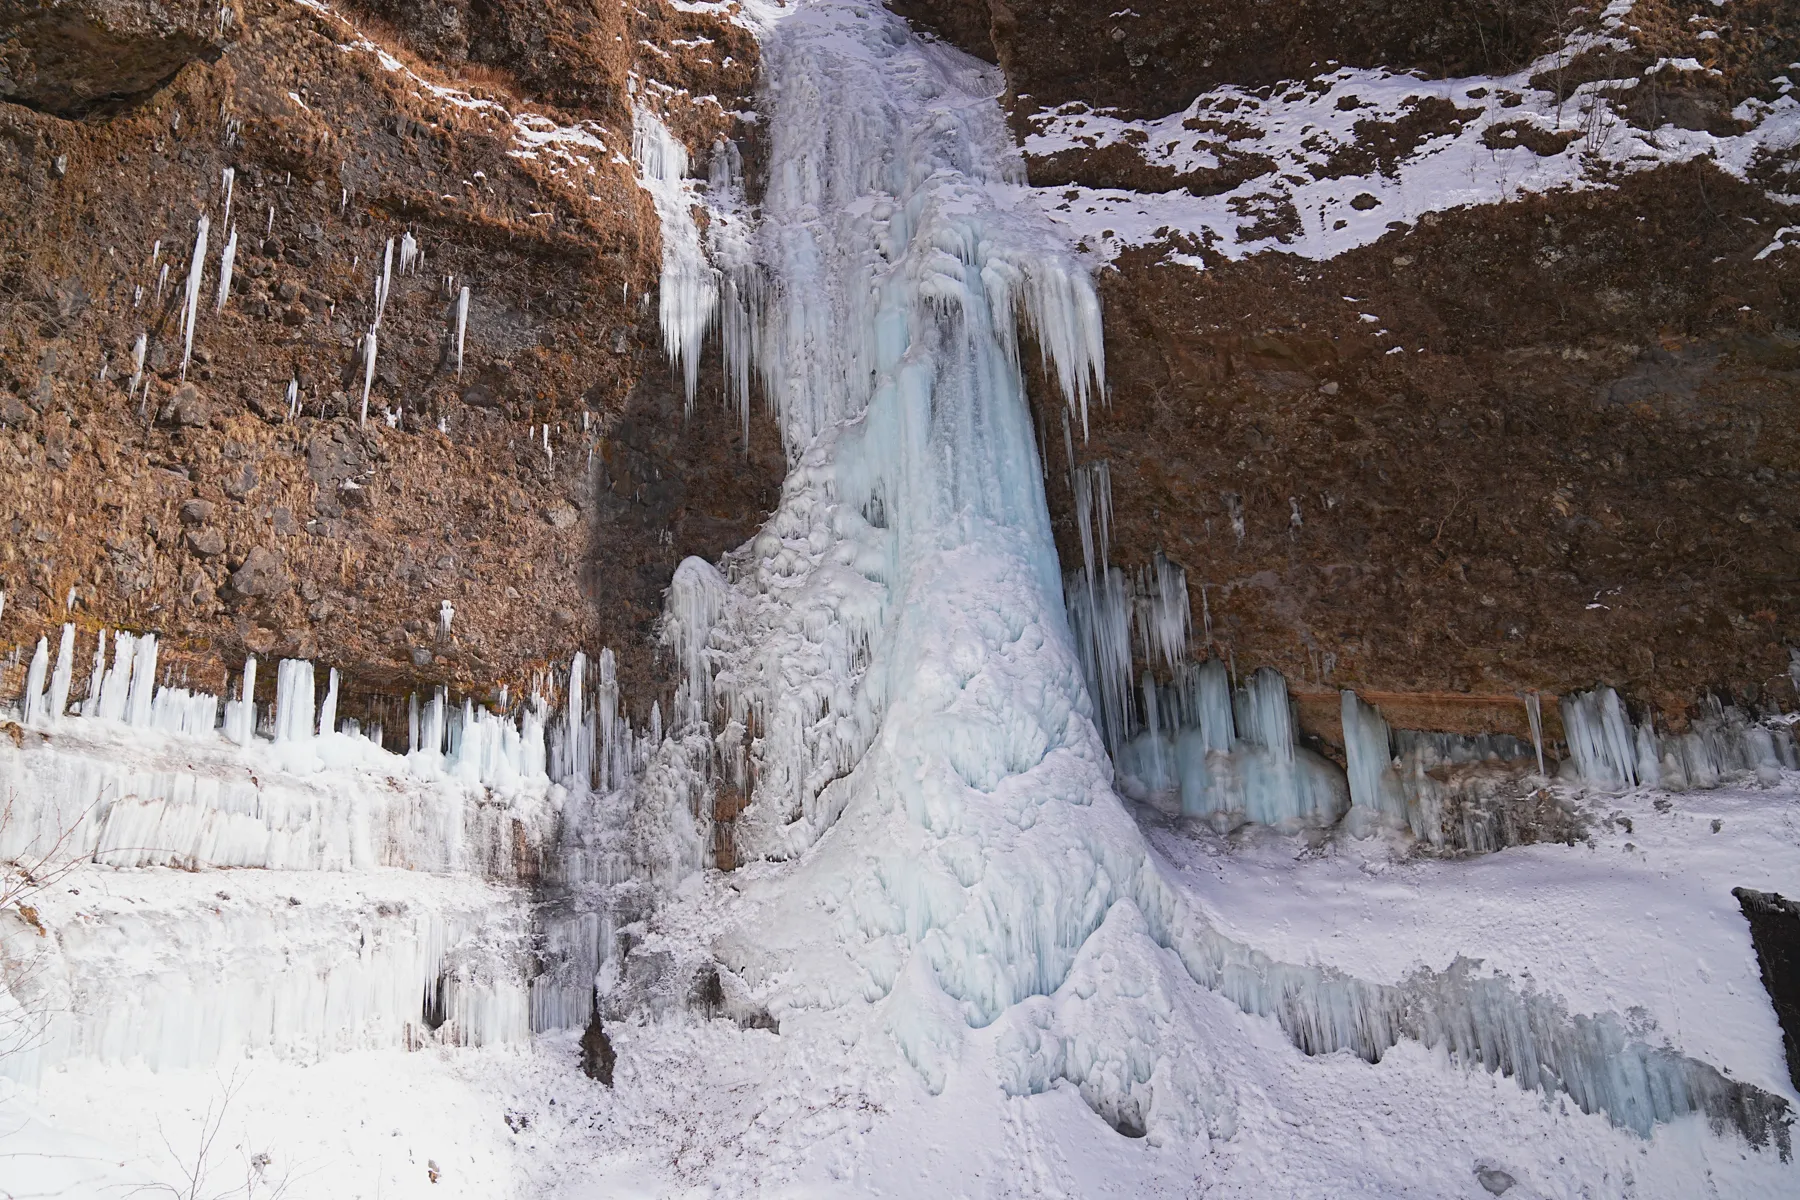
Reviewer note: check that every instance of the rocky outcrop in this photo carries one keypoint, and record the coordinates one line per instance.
(80, 57)
(1146, 59)
(242, 504)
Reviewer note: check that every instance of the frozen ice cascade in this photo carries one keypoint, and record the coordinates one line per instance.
(887, 673)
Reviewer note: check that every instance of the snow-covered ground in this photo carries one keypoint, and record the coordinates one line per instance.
(706, 1108)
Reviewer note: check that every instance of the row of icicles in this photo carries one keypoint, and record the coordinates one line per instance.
(411, 256)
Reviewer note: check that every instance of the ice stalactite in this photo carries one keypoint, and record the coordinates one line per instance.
(383, 283)
(461, 328)
(226, 259)
(409, 251)
(190, 307)
(368, 374)
(896, 637)
(690, 284)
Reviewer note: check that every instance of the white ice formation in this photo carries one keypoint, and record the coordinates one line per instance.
(389, 903)
(226, 260)
(461, 328)
(190, 305)
(891, 661)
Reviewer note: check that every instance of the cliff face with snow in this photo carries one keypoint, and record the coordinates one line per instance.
(964, 600)
(1484, 328)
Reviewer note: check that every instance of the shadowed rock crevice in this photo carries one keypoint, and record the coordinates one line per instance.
(87, 58)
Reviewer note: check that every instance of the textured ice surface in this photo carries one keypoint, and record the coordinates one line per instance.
(893, 649)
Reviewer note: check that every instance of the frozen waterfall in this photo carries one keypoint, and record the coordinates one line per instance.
(889, 660)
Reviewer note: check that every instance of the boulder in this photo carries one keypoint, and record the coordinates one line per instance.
(263, 574)
(76, 57)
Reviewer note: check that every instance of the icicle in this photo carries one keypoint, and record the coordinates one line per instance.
(368, 374)
(162, 280)
(446, 611)
(191, 305)
(270, 231)
(409, 251)
(690, 285)
(229, 182)
(384, 283)
(64, 673)
(462, 325)
(293, 398)
(96, 674)
(138, 350)
(225, 262)
(1534, 714)
(328, 710)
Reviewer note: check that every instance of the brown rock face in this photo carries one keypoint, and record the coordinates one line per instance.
(1532, 445)
(78, 57)
(546, 489)
(1152, 58)
(1581, 466)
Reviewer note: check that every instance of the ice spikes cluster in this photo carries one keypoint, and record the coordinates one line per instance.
(896, 661)
(415, 857)
(1610, 752)
(689, 297)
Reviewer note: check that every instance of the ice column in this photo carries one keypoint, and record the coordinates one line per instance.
(240, 714)
(294, 700)
(1375, 794)
(64, 673)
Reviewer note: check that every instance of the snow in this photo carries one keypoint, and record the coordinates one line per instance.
(1302, 134)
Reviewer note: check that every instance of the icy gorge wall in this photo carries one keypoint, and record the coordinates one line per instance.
(260, 485)
(491, 471)
(1489, 381)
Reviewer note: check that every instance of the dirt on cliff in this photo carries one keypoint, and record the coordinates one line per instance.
(1566, 451)
(530, 487)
